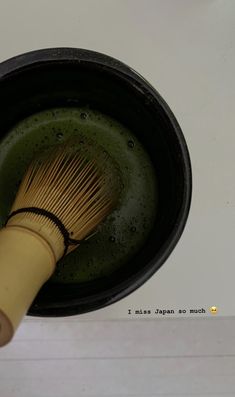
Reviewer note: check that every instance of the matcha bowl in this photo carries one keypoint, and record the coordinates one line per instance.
(49, 95)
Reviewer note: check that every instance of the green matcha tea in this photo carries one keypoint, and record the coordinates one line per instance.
(126, 229)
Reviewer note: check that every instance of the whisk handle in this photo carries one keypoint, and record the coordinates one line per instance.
(26, 263)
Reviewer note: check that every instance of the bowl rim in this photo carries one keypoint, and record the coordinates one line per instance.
(84, 56)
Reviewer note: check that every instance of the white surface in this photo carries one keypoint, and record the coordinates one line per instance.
(171, 357)
(185, 48)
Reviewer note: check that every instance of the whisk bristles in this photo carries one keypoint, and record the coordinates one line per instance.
(65, 193)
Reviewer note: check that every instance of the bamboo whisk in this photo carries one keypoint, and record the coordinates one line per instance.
(63, 196)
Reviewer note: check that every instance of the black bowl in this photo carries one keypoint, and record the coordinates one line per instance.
(74, 77)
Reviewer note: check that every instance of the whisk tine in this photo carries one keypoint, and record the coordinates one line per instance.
(76, 186)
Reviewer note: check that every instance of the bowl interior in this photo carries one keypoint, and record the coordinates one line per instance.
(128, 99)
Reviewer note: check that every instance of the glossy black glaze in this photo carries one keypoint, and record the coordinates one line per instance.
(68, 77)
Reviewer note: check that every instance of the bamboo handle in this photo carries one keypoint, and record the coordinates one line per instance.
(26, 263)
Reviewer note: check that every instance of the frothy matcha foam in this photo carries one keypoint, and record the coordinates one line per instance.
(126, 229)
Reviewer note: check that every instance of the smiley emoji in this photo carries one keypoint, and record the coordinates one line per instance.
(213, 309)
